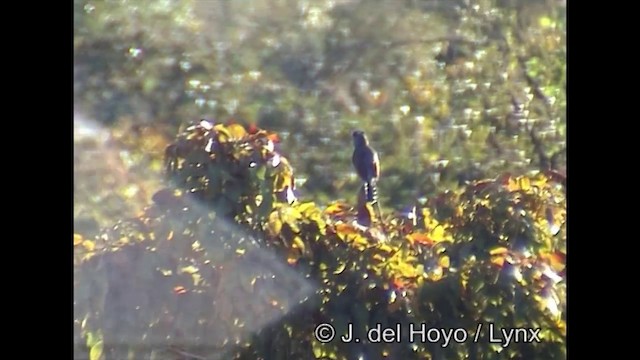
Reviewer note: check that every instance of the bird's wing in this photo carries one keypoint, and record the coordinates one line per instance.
(376, 165)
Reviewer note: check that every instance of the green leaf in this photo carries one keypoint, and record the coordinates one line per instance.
(96, 351)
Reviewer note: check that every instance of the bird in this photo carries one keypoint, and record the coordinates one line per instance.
(367, 164)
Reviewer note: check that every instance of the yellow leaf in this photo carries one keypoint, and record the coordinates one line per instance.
(444, 261)
(512, 184)
(282, 181)
(385, 248)
(274, 224)
(340, 269)
(289, 214)
(336, 209)
(89, 245)
(497, 260)
(546, 22)
(189, 269)
(438, 234)
(96, 351)
(525, 183)
(223, 134)
(360, 242)
(407, 270)
(540, 181)
(236, 131)
(378, 257)
(306, 207)
(499, 251)
(316, 347)
(298, 243)
(498, 255)
(77, 239)
(436, 274)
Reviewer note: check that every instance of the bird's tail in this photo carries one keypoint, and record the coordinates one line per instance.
(371, 190)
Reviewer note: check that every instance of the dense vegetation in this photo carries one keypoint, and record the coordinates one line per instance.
(229, 264)
(249, 241)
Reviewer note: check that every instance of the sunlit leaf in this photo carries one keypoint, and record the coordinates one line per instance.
(336, 209)
(89, 245)
(444, 262)
(223, 133)
(92, 337)
(298, 243)
(343, 230)
(96, 351)
(386, 248)
(420, 238)
(498, 260)
(555, 260)
(360, 241)
(407, 270)
(378, 257)
(438, 234)
(77, 239)
(499, 251)
(317, 349)
(274, 224)
(436, 274)
(305, 207)
(340, 269)
(236, 131)
(189, 269)
(546, 22)
(540, 181)
(511, 184)
(525, 183)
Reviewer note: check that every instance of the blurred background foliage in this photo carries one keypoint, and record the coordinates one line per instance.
(449, 92)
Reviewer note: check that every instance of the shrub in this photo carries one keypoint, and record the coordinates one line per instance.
(228, 262)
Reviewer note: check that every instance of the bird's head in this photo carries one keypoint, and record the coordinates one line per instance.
(359, 138)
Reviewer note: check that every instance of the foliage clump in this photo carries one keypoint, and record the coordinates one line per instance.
(228, 263)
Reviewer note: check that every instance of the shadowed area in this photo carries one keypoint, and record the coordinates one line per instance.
(151, 290)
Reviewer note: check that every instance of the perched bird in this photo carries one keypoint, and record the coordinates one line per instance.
(367, 165)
